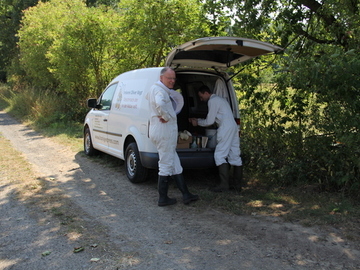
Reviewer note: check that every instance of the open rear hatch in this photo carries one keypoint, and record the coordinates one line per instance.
(218, 52)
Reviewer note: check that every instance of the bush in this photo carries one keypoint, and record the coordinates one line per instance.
(308, 133)
(43, 108)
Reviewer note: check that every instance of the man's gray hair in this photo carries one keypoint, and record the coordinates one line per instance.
(162, 72)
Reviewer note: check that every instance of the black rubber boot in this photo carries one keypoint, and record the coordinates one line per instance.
(224, 178)
(238, 177)
(187, 196)
(163, 186)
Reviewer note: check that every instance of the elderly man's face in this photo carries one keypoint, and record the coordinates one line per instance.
(168, 78)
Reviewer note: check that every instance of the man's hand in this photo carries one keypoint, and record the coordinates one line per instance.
(162, 120)
(193, 121)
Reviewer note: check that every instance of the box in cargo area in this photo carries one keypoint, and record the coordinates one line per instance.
(181, 143)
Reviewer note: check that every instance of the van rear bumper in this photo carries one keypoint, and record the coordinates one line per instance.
(189, 158)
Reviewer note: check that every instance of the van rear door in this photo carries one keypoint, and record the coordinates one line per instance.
(218, 52)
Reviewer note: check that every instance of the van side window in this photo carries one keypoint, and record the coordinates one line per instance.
(106, 97)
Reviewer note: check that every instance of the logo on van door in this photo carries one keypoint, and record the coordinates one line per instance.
(128, 98)
(119, 96)
(131, 99)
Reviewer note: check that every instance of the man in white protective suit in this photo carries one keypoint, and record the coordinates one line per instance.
(227, 150)
(164, 134)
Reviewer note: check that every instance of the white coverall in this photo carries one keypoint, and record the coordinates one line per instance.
(164, 135)
(228, 142)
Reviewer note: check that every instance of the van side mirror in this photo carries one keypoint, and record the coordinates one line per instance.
(92, 103)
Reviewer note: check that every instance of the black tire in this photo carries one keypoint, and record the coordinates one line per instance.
(135, 171)
(88, 146)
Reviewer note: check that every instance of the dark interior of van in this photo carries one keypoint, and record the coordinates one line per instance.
(188, 84)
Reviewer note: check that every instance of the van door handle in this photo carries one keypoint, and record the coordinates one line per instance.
(105, 120)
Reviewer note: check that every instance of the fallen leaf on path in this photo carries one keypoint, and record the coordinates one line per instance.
(45, 253)
(78, 249)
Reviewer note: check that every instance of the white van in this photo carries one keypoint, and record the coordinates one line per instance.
(118, 123)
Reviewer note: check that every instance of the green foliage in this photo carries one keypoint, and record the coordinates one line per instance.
(308, 133)
(4, 96)
(18, 105)
(150, 29)
(218, 15)
(74, 50)
(44, 110)
(33, 105)
(70, 47)
(302, 125)
(333, 82)
(95, 3)
(41, 25)
(89, 52)
(10, 15)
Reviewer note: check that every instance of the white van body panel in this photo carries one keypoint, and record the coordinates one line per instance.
(129, 111)
(100, 129)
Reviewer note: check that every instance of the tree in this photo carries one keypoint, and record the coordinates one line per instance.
(72, 49)
(219, 17)
(89, 52)
(303, 22)
(10, 16)
(152, 28)
(41, 26)
(314, 99)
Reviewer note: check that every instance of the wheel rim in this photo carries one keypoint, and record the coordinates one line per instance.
(131, 163)
(87, 142)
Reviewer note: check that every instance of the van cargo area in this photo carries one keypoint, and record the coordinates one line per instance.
(188, 84)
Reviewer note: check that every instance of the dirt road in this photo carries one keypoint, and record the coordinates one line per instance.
(123, 228)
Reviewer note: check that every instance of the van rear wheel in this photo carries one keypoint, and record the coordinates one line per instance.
(135, 171)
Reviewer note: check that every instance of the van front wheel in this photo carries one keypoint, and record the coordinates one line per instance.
(88, 146)
(135, 171)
